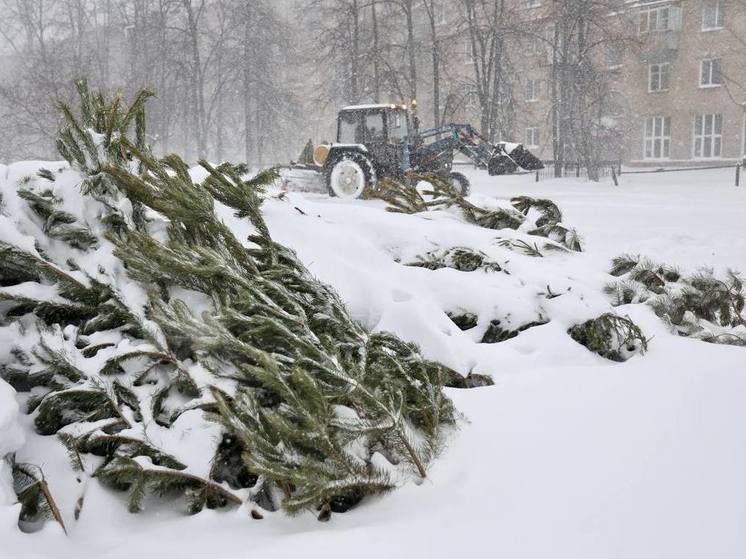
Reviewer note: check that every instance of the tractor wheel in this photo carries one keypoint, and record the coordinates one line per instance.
(460, 183)
(350, 176)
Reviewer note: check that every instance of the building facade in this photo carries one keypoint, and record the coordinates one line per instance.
(686, 84)
(676, 83)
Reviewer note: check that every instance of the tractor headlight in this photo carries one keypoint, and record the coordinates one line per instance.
(320, 153)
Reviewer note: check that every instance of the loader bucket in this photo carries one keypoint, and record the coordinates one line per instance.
(501, 165)
(525, 159)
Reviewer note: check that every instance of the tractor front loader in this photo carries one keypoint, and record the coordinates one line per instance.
(378, 141)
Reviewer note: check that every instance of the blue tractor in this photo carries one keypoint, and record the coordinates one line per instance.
(379, 141)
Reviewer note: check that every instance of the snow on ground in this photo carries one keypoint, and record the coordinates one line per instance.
(568, 455)
(687, 218)
(11, 439)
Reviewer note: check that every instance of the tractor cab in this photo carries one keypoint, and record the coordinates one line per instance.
(373, 124)
(382, 130)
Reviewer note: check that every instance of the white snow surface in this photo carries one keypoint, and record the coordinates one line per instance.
(567, 456)
(11, 439)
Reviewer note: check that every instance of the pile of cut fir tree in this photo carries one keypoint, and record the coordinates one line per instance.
(172, 358)
(611, 336)
(703, 305)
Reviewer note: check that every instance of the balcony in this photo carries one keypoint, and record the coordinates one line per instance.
(660, 46)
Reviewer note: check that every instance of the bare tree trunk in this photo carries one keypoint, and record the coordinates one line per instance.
(486, 41)
(411, 46)
(435, 55)
(165, 89)
(219, 116)
(197, 78)
(248, 57)
(355, 61)
(495, 97)
(376, 54)
(558, 150)
(259, 137)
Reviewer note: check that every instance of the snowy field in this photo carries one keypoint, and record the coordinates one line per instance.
(567, 456)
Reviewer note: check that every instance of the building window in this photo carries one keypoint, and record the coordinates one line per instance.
(535, 44)
(658, 77)
(504, 93)
(532, 137)
(713, 15)
(655, 19)
(616, 6)
(662, 18)
(710, 73)
(472, 100)
(470, 58)
(708, 136)
(657, 137)
(615, 55)
(533, 89)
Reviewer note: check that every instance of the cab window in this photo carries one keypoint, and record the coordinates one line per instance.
(374, 127)
(398, 129)
(348, 126)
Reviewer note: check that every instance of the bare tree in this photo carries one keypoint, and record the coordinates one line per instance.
(433, 22)
(338, 34)
(578, 34)
(212, 64)
(51, 43)
(407, 8)
(487, 25)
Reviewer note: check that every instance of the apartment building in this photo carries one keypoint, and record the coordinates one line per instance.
(687, 82)
(677, 86)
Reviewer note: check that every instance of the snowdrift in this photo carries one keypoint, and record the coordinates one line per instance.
(569, 455)
(129, 316)
(11, 440)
